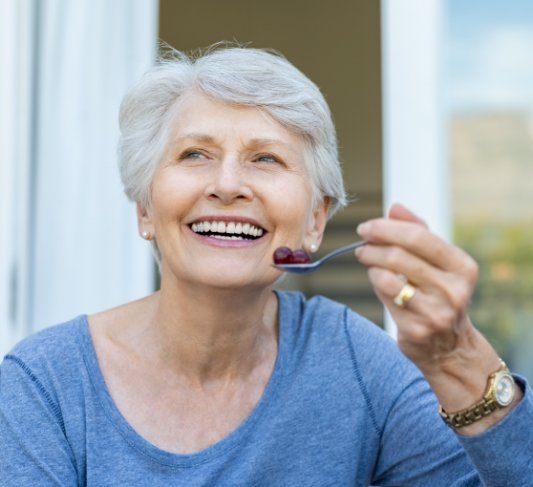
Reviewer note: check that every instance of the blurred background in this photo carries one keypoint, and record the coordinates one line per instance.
(433, 103)
(488, 86)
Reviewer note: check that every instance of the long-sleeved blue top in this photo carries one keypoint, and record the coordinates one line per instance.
(343, 407)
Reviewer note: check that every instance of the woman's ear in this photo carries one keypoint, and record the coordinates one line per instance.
(144, 221)
(318, 225)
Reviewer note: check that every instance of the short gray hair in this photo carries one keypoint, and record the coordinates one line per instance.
(236, 75)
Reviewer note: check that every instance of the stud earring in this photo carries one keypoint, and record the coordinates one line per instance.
(146, 235)
(313, 247)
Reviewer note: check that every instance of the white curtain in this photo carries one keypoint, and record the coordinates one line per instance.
(84, 254)
(16, 74)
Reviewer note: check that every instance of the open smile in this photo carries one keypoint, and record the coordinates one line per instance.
(228, 231)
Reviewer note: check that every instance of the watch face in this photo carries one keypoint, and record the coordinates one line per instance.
(505, 389)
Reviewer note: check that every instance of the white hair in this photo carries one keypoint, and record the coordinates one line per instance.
(235, 75)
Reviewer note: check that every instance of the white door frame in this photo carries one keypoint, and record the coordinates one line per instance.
(415, 169)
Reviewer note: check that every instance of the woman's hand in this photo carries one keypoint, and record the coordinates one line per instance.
(434, 329)
(433, 322)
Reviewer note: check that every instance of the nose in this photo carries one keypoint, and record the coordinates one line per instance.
(229, 182)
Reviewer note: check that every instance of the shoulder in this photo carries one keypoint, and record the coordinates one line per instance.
(370, 343)
(50, 340)
(52, 349)
(40, 376)
(370, 346)
(328, 317)
(335, 328)
(340, 335)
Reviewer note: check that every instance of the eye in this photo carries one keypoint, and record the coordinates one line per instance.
(191, 154)
(269, 158)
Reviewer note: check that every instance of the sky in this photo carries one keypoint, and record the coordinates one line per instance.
(488, 54)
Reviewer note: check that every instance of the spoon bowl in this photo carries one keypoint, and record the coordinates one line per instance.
(313, 266)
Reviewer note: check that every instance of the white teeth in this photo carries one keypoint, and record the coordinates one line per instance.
(229, 228)
(227, 237)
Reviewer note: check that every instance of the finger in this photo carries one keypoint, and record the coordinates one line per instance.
(387, 286)
(424, 315)
(400, 212)
(417, 240)
(399, 261)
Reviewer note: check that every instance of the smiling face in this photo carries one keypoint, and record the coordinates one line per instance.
(233, 187)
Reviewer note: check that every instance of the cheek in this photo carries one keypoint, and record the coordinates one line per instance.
(173, 195)
(291, 204)
(289, 185)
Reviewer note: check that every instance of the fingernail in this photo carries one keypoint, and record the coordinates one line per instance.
(363, 228)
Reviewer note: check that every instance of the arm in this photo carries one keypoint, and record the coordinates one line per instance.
(503, 453)
(435, 332)
(33, 446)
(417, 448)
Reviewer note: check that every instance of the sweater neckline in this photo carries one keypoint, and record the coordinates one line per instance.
(213, 451)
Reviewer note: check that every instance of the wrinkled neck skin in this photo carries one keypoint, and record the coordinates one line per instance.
(210, 335)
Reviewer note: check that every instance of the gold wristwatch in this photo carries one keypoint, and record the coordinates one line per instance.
(500, 393)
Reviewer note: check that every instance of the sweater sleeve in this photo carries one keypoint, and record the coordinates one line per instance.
(34, 448)
(503, 455)
(416, 448)
(419, 449)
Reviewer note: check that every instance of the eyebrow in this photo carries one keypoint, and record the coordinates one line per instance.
(258, 141)
(197, 136)
(267, 141)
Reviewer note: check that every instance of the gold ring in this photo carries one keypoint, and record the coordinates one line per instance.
(405, 295)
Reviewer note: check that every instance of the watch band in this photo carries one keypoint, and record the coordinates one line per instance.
(480, 409)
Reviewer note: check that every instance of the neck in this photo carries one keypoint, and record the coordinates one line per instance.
(211, 334)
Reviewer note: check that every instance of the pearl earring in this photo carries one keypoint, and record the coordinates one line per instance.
(313, 247)
(146, 235)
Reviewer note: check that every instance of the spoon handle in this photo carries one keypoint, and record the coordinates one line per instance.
(342, 250)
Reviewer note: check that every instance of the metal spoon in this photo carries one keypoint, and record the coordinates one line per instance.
(313, 266)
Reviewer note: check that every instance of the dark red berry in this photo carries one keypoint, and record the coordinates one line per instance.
(282, 255)
(300, 256)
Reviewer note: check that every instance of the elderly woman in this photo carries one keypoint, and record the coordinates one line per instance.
(217, 379)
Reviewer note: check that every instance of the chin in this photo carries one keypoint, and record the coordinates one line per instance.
(235, 280)
(226, 274)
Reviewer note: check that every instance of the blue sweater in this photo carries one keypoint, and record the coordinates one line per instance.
(343, 407)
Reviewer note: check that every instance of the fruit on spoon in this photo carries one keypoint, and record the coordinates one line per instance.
(300, 256)
(284, 255)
